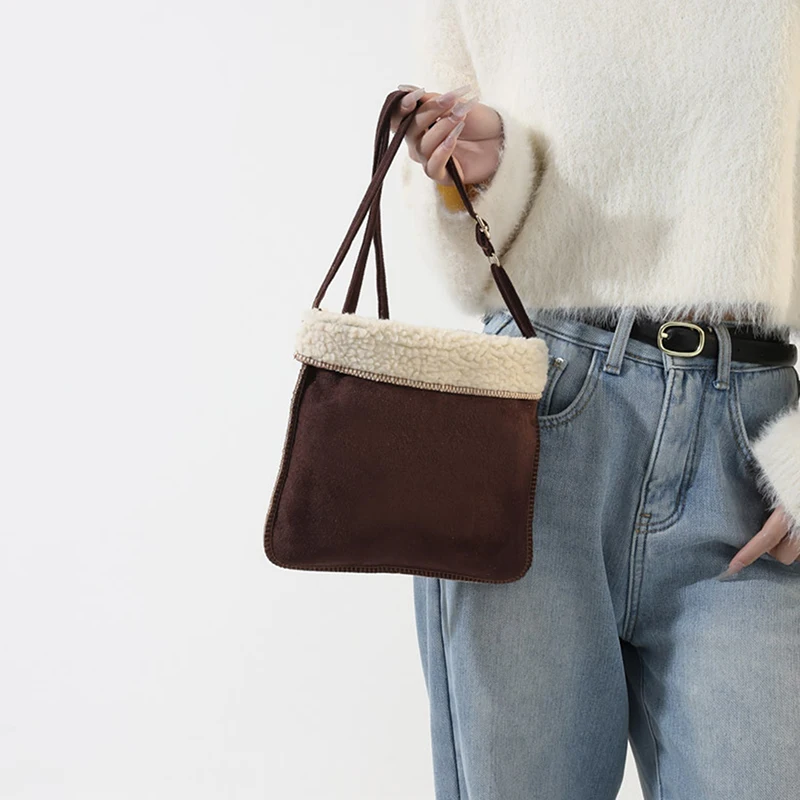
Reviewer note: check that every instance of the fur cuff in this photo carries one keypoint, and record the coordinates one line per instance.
(447, 360)
(450, 235)
(777, 449)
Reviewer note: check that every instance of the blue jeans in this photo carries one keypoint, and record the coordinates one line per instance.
(620, 629)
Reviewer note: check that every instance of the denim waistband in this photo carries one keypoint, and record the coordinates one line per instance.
(619, 344)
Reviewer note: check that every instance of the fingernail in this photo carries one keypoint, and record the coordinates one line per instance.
(448, 97)
(407, 86)
(451, 137)
(731, 572)
(460, 109)
(408, 102)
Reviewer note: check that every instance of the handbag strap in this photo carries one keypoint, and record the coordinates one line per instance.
(372, 233)
(384, 154)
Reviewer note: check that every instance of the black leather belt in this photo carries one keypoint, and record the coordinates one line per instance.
(689, 339)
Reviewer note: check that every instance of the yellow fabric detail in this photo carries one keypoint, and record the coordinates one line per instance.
(451, 197)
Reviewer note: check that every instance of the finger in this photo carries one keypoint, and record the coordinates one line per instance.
(771, 533)
(432, 107)
(412, 135)
(438, 106)
(434, 134)
(435, 166)
(406, 105)
(787, 550)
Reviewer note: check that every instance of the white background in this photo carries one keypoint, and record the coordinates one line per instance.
(175, 178)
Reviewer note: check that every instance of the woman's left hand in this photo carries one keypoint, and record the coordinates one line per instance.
(773, 539)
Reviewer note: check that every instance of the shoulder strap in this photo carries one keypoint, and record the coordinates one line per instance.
(384, 154)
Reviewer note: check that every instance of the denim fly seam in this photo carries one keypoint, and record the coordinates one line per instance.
(638, 542)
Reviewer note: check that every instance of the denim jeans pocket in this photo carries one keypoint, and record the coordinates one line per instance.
(756, 397)
(573, 372)
(556, 365)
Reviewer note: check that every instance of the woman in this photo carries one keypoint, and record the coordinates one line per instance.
(639, 164)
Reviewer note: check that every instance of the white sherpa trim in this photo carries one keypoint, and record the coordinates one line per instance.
(466, 362)
(777, 450)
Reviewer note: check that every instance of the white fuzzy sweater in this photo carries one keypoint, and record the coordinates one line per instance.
(651, 159)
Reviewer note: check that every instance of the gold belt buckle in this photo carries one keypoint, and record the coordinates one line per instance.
(662, 334)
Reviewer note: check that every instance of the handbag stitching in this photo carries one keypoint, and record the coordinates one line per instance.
(278, 490)
(442, 387)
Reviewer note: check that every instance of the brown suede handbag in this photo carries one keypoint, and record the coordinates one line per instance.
(409, 449)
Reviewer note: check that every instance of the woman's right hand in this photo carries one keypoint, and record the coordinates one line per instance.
(445, 126)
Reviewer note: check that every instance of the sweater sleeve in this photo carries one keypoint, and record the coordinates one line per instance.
(445, 228)
(777, 450)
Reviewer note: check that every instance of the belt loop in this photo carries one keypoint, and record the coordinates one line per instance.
(723, 356)
(622, 331)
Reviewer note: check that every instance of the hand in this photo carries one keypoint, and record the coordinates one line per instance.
(772, 538)
(446, 125)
